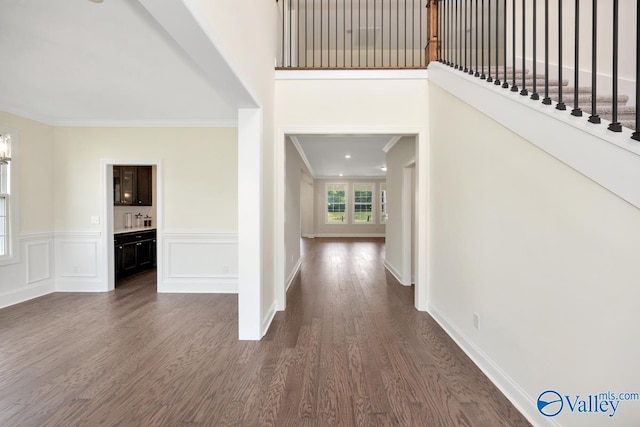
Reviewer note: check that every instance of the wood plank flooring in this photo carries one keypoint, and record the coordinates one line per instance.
(349, 351)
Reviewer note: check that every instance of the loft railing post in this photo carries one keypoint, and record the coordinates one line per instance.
(546, 100)
(561, 105)
(594, 118)
(615, 126)
(636, 134)
(535, 95)
(576, 62)
(433, 11)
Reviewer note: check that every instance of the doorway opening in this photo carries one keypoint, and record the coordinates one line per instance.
(133, 217)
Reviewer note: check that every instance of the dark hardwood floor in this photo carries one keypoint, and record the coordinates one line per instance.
(349, 351)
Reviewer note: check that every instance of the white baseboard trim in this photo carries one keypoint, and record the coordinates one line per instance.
(363, 235)
(24, 294)
(71, 285)
(395, 273)
(293, 274)
(268, 318)
(512, 391)
(308, 236)
(198, 286)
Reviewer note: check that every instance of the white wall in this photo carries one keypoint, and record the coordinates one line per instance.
(198, 229)
(348, 228)
(545, 257)
(32, 273)
(295, 170)
(397, 158)
(252, 54)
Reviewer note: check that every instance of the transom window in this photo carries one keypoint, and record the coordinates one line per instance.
(336, 203)
(363, 203)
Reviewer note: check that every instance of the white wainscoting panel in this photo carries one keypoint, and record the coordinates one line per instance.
(76, 256)
(38, 255)
(31, 275)
(198, 262)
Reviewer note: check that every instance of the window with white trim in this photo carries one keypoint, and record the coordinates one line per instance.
(383, 203)
(363, 203)
(336, 212)
(5, 190)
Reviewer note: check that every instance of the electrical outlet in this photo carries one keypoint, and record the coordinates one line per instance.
(95, 220)
(476, 321)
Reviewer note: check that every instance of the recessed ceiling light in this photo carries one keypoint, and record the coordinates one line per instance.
(340, 174)
(384, 168)
(347, 156)
(96, 1)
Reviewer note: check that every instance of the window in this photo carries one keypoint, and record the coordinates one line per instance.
(5, 141)
(336, 203)
(383, 203)
(363, 203)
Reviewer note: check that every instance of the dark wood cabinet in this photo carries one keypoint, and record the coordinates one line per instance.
(134, 252)
(132, 186)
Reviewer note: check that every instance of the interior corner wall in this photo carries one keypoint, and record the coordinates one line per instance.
(400, 154)
(252, 54)
(546, 257)
(32, 274)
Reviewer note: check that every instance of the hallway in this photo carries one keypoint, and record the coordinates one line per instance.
(350, 350)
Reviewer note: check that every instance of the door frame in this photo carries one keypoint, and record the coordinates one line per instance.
(409, 193)
(422, 205)
(107, 263)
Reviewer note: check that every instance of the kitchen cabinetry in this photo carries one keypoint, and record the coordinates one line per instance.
(132, 186)
(134, 252)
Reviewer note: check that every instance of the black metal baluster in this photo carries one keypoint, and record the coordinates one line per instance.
(336, 33)
(455, 17)
(470, 6)
(321, 39)
(524, 91)
(390, 36)
(398, 33)
(497, 82)
(594, 118)
(576, 62)
(636, 133)
(466, 45)
(546, 100)
(428, 29)
(561, 105)
(306, 35)
(298, 33)
(313, 37)
(477, 73)
(366, 15)
(482, 76)
(359, 33)
(615, 125)
(344, 33)
(505, 83)
(374, 33)
(514, 84)
(489, 78)
(404, 27)
(535, 95)
(284, 19)
(290, 35)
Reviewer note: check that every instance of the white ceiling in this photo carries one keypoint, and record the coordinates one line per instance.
(326, 154)
(82, 63)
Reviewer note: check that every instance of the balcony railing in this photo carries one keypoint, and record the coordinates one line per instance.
(353, 33)
(579, 55)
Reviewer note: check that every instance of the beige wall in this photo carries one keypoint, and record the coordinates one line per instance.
(348, 228)
(199, 166)
(35, 167)
(545, 256)
(397, 158)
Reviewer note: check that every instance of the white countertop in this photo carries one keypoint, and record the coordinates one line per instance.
(132, 230)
